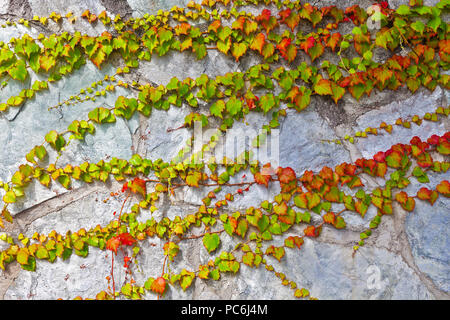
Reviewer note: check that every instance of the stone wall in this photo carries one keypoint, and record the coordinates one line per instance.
(408, 253)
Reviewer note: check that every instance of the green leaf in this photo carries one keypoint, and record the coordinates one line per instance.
(339, 223)
(435, 23)
(217, 108)
(323, 87)
(102, 115)
(199, 49)
(238, 50)
(65, 181)
(263, 223)
(224, 46)
(40, 152)
(19, 71)
(42, 253)
(31, 265)
(242, 228)
(22, 256)
(126, 289)
(233, 106)
(193, 178)
(301, 201)
(55, 140)
(125, 107)
(418, 26)
(268, 102)
(186, 281)
(403, 10)
(9, 197)
(211, 241)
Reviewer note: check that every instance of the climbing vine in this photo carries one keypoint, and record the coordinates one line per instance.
(302, 53)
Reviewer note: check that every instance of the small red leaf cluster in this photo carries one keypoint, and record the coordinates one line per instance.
(137, 185)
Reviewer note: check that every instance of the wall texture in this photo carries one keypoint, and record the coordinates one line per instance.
(408, 254)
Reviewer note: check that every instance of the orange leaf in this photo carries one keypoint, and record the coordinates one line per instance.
(262, 179)
(159, 285)
(323, 87)
(333, 41)
(286, 175)
(214, 26)
(312, 231)
(138, 186)
(258, 42)
(113, 244)
(401, 197)
(329, 218)
(444, 188)
(183, 28)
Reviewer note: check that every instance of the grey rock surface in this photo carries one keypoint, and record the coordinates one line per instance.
(408, 257)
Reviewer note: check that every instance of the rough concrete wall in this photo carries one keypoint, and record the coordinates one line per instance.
(410, 251)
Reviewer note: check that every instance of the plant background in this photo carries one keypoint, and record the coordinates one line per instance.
(410, 250)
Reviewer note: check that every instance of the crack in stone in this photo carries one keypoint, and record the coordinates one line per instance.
(403, 249)
(21, 7)
(118, 7)
(56, 203)
(15, 116)
(8, 277)
(407, 256)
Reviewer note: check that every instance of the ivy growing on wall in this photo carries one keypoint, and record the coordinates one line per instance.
(415, 36)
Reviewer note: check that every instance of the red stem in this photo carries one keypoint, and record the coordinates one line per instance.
(112, 275)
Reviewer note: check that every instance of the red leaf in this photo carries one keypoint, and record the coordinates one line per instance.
(310, 42)
(307, 176)
(286, 175)
(326, 173)
(126, 262)
(415, 140)
(329, 217)
(282, 46)
(126, 239)
(433, 140)
(159, 285)
(424, 194)
(250, 103)
(284, 14)
(379, 157)
(312, 231)
(264, 16)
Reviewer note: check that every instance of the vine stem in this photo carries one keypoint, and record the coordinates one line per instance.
(112, 253)
(164, 265)
(198, 236)
(407, 42)
(112, 275)
(174, 129)
(123, 205)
